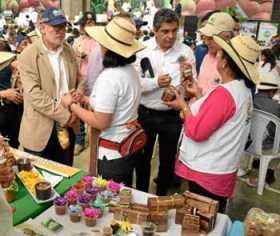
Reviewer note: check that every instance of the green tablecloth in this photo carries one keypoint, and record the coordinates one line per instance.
(27, 208)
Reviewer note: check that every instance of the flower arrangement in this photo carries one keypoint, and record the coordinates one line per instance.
(101, 183)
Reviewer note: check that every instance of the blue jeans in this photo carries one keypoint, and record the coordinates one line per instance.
(80, 137)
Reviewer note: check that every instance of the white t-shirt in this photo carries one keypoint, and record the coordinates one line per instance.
(116, 91)
(267, 69)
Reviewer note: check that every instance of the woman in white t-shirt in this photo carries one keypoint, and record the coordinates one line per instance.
(268, 63)
(115, 97)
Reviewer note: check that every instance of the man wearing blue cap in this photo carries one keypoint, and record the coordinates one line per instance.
(48, 70)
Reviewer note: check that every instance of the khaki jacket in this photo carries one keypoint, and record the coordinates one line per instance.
(40, 109)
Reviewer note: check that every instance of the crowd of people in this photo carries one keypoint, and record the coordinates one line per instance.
(56, 81)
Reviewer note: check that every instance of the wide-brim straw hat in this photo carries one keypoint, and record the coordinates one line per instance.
(268, 81)
(118, 36)
(5, 59)
(244, 51)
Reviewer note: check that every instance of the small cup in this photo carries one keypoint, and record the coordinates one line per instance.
(149, 229)
(24, 164)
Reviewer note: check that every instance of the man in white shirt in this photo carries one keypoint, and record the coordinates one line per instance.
(48, 69)
(162, 52)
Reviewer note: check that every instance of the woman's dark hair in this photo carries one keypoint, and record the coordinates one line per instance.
(237, 72)
(269, 58)
(112, 59)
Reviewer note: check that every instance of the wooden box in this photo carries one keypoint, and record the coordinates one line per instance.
(190, 225)
(160, 219)
(132, 216)
(203, 204)
(125, 197)
(180, 213)
(139, 207)
(207, 222)
(166, 202)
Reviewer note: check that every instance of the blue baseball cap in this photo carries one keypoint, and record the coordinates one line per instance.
(53, 16)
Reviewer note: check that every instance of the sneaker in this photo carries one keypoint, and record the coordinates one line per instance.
(78, 149)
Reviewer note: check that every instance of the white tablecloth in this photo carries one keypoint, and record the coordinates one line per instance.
(222, 227)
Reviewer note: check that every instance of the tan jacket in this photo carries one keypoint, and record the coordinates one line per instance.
(40, 111)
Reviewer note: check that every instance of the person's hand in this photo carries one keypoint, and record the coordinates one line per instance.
(164, 80)
(77, 96)
(66, 100)
(192, 88)
(7, 175)
(178, 103)
(13, 95)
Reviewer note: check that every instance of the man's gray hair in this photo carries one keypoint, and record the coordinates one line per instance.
(164, 15)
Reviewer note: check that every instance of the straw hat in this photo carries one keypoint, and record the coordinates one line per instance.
(118, 36)
(217, 23)
(268, 81)
(5, 59)
(244, 50)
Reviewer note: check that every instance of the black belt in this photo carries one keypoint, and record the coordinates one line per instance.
(159, 112)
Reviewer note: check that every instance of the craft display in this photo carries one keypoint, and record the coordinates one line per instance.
(101, 183)
(149, 229)
(11, 191)
(75, 213)
(52, 166)
(106, 196)
(43, 190)
(60, 204)
(260, 223)
(166, 202)
(139, 207)
(203, 204)
(40, 189)
(87, 181)
(132, 216)
(160, 219)
(114, 187)
(6, 152)
(52, 225)
(125, 197)
(24, 164)
(98, 203)
(190, 225)
(92, 192)
(91, 214)
(84, 201)
(71, 197)
(79, 187)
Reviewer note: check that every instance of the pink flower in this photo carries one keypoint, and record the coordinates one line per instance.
(87, 179)
(71, 195)
(92, 212)
(114, 186)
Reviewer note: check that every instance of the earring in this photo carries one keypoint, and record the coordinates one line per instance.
(224, 66)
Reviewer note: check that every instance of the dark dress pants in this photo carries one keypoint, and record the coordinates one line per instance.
(195, 188)
(53, 151)
(10, 118)
(167, 125)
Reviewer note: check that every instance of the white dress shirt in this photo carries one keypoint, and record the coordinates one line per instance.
(162, 63)
(60, 76)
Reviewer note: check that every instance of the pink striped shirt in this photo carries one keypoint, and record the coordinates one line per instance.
(209, 77)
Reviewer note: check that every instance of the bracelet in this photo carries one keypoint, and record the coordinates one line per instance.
(183, 111)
